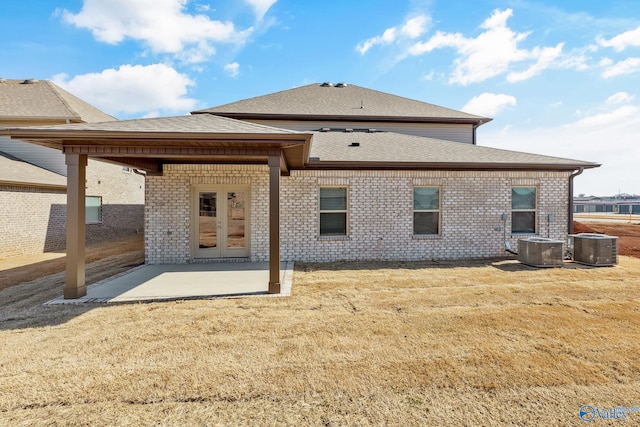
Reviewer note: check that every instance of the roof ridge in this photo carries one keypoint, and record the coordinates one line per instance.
(64, 102)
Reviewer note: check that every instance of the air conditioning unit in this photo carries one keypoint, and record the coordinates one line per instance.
(595, 249)
(540, 252)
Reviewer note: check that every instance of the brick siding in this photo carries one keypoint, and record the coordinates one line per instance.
(33, 220)
(379, 212)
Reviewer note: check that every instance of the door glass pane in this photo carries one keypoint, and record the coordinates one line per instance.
(235, 219)
(208, 221)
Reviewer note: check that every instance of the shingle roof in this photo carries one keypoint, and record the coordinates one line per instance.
(348, 101)
(41, 99)
(18, 172)
(395, 148)
(200, 123)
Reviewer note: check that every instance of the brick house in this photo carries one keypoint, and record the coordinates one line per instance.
(325, 172)
(33, 177)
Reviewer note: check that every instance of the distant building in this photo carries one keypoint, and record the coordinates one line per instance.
(608, 205)
(33, 177)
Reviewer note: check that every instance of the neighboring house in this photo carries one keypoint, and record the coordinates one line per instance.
(324, 173)
(33, 177)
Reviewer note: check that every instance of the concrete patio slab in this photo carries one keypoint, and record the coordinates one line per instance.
(148, 283)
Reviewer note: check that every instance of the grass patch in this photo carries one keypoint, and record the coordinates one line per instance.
(465, 343)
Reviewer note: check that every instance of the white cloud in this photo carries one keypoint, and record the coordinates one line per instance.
(162, 25)
(619, 98)
(609, 118)
(607, 136)
(412, 28)
(133, 90)
(627, 66)
(260, 7)
(489, 104)
(233, 69)
(546, 57)
(494, 52)
(622, 41)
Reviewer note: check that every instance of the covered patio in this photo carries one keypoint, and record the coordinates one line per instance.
(147, 145)
(167, 282)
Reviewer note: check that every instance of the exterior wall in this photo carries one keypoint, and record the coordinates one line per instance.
(380, 212)
(44, 157)
(33, 220)
(168, 208)
(122, 201)
(449, 131)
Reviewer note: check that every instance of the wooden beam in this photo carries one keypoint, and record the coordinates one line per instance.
(274, 224)
(168, 151)
(148, 165)
(75, 286)
(283, 165)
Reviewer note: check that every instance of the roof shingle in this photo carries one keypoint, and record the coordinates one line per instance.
(348, 101)
(386, 147)
(42, 99)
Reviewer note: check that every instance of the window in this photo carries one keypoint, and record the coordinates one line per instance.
(426, 210)
(333, 211)
(93, 209)
(126, 169)
(523, 210)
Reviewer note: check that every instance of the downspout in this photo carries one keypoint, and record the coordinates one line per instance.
(473, 135)
(570, 216)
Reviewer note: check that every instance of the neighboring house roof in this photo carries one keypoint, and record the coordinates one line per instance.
(341, 102)
(41, 100)
(385, 149)
(16, 172)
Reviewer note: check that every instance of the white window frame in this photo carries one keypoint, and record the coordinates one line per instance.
(437, 211)
(333, 211)
(534, 210)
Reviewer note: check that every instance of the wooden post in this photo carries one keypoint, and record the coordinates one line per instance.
(75, 286)
(274, 224)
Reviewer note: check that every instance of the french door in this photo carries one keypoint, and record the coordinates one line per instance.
(221, 222)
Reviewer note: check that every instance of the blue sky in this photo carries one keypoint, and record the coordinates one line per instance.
(559, 78)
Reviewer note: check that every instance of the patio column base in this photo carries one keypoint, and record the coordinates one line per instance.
(274, 287)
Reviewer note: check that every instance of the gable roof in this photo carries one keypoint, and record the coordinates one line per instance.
(393, 150)
(341, 102)
(14, 171)
(42, 100)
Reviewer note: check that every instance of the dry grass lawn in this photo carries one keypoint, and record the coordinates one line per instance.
(475, 343)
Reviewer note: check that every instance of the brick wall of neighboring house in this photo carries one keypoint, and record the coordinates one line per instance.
(33, 220)
(380, 212)
(122, 201)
